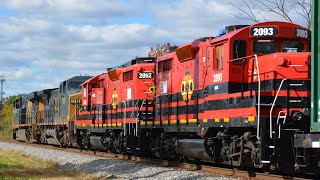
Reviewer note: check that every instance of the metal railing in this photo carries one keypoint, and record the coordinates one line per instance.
(272, 106)
(125, 119)
(137, 119)
(259, 97)
(136, 105)
(259, 85)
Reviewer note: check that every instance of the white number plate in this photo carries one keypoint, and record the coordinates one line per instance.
(145, 75)
(302, 33)
(217, 77)
(263, 31)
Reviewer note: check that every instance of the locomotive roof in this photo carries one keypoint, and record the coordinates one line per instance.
(137, 60)
(94, 78)
(78, 78)
(37, 94)
(227, 35)
(270, 23)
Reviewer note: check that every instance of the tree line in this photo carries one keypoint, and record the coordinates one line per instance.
(6, 116)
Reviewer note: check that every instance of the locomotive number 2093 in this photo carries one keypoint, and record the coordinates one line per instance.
(145, 75)
(217, 77)
(302, 33)
(263, 31)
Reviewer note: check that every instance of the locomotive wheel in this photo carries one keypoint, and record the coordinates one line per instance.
(119, 144)
(42, 137)
(86, 141)
(38, 135)
(29, 134)
(64, 139)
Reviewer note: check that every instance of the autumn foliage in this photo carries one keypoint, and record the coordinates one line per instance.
(6, 117)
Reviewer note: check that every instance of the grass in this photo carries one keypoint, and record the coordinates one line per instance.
(6, 134)
(17, 165)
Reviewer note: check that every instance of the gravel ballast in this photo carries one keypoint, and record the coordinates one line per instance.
(105, 167)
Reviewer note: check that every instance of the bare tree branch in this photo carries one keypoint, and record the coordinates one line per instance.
(259, 10)
(304, 10)
(247, 11)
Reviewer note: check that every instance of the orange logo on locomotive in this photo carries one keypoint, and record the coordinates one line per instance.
(187, 87)
(114, 99)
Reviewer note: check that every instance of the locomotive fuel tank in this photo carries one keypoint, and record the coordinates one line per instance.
(96, 142)
(194, 149)
(21, 135)
(51, 137)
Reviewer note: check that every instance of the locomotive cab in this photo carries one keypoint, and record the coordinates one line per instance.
(283, 64)
(277, 76)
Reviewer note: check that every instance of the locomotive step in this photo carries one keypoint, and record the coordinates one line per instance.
(299, 156)
(265, 162)
(296, 84)
(295, 101)
(265, 105)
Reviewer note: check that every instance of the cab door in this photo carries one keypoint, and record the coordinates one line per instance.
(216, 79)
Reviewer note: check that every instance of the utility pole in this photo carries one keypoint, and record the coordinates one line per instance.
(2, 80)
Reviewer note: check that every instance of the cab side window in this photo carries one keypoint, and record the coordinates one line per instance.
(218, 58)
(239, 50)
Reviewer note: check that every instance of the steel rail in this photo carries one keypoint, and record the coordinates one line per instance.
(212, 170)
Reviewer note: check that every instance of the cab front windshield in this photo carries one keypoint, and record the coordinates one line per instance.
(292, 46)
(270, 46)
(264, 47)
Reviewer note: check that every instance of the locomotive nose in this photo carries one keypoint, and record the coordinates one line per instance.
(292, 59)
(292, 65)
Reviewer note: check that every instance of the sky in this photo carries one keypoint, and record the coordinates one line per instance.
(44, 42)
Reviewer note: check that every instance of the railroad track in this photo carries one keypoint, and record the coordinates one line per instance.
(229, 172)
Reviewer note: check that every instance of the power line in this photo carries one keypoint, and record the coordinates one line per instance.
(2, 80)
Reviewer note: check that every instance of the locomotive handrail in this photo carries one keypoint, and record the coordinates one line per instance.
(136, 105)
(124, 119)
(296, 65)
(240, 59)
(259, 89)
(274, 101)
(138, 116)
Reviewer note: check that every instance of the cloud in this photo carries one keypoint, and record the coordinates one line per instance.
(21, 74)
(77, 11)
(48, 41)
(186, 20)
(43, 42)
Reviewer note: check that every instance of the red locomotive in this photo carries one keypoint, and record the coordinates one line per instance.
(113, 104)
(236, 99)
